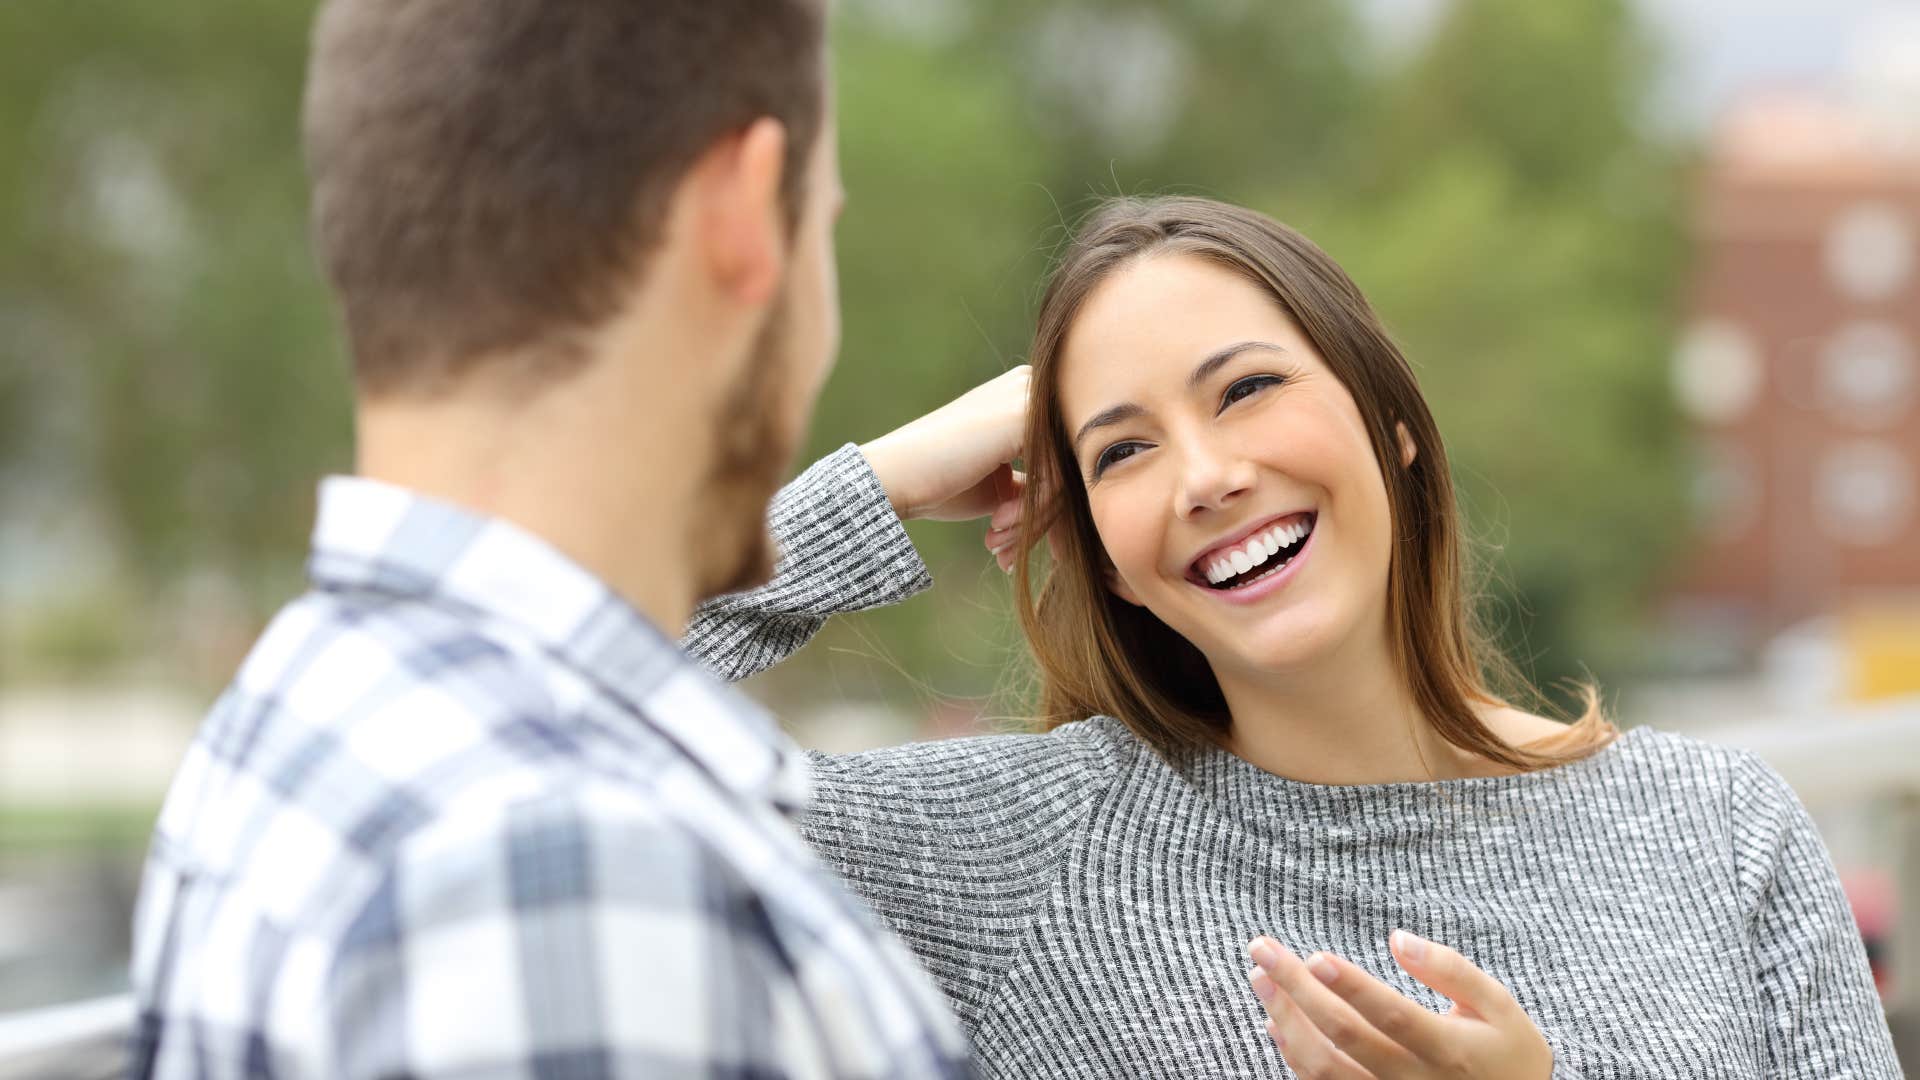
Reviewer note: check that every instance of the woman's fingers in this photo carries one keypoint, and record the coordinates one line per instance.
(1330, 1014)
(1306, 1049)
(1003, 527)
(1002, 543)
(1472, 991)
(1388, 1011)
(1332, 1018)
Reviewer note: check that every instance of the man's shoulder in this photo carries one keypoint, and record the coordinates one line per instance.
(480, 924)
(353, 727)
(332, 660)
(586, 848)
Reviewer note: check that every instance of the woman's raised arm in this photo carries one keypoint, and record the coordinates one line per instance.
(837, 526)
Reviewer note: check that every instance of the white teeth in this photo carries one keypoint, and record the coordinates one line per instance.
(1256, 551)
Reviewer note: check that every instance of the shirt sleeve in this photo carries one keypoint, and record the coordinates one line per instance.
(1820, 1012)
(563, 940)
(842, 549)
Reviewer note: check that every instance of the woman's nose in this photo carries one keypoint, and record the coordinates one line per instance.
(1211, 480)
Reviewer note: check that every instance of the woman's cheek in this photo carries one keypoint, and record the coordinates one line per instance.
(1128, 544)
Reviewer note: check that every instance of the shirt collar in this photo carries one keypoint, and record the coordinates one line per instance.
(376, 537)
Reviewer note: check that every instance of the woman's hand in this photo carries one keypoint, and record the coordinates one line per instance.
(1331, 1019)
(955, 463)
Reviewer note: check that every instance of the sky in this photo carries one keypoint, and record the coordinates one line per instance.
(1717, 48)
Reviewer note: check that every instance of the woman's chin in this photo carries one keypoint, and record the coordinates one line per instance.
(1292, 644)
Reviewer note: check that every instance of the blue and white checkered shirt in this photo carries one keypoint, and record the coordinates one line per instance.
(465, 813)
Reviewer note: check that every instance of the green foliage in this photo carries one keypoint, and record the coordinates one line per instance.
(77, 634)
(155, 242)
(30, 830)
(1497, 195)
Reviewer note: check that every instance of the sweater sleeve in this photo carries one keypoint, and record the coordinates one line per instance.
(842, 549)
(956, 843)
(1820, 1012)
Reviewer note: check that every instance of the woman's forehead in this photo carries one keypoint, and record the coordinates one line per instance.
(1143, 329)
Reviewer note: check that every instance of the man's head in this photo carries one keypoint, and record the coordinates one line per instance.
(515, 197)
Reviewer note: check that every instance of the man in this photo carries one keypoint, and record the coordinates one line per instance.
(466, 810)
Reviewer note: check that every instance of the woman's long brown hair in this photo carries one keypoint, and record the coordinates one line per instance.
(1098, 655)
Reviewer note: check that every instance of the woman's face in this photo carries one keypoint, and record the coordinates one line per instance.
(1229, 474)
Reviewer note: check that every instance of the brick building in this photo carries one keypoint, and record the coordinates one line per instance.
(1799, 370)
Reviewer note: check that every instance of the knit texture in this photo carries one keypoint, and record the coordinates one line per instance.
(1664, 908)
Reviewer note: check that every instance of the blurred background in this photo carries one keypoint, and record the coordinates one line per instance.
(1657, 263)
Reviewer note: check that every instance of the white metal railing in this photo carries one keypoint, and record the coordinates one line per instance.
(84, 1039)
(1843, 756)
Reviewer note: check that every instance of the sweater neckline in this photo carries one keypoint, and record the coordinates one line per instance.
(1234, 782)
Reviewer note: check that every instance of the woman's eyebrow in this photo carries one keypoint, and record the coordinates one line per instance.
(1107, 417)
(1220, 356)
(1127, 410)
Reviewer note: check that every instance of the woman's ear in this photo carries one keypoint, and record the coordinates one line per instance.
(1408, 451)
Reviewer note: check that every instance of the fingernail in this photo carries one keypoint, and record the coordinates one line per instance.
(1322, 968)
(1273, 1032)
(1263, 987)
(1263, 954)
(1410, 946)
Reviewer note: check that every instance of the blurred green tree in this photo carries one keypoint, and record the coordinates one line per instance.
(153, 248)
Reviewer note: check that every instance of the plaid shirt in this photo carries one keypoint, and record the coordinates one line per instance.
(463, 812)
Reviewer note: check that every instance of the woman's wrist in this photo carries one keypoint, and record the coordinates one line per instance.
(951, 464)
(893, 478)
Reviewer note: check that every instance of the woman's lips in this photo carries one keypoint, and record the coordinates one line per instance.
(1220, 552)
(1266, 585)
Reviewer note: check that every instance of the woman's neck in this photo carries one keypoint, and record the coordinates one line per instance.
(1349, 719)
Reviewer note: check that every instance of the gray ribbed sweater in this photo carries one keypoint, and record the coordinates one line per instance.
(1664, 908)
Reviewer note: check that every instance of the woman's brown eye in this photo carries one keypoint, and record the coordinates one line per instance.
(1113, 455)
(1247, 387)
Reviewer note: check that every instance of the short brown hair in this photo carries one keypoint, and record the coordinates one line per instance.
(489, 174)
(1100, 655)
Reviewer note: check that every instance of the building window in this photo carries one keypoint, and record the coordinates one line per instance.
(1726, 492)
(1716, 372)
(1870, 252)
(1863, 493)
(1867, 375)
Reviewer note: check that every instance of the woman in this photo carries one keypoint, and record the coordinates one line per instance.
(1270, 721)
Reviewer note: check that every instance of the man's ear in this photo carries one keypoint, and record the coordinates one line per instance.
(738, 219)
(1408, 451)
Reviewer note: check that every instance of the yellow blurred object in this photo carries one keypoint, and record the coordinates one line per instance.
(1883, 649)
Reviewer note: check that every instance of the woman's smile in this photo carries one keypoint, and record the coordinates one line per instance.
(1257, 565)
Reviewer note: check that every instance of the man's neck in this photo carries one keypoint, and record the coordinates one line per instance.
(560, 469)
